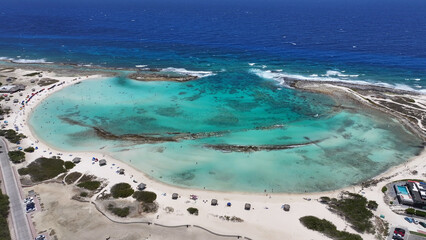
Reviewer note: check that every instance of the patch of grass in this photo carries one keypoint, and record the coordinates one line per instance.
(12, 135)
(384, 189)
(84, 194)
(354, 208)
(86, 178)
(418, 234)
(145, 196)
(193, 211)
(121, 212)
(72, 177)
(29, 149)
(122, 190)
(16, 156)
(90, 185)
(327, 228)
(69, 165)
(43, 169)
(32, 74)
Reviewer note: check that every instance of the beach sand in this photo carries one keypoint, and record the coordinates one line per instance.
(266, 219)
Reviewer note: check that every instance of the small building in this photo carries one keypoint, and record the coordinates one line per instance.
(121, 171)
(1, 117)
(286, 207)
(141, 186)
(7, 99)
(214, 202)
(175, 196)
(247, 206)
(76, 160)
(418, 193)
(102, 162)
(12, 88)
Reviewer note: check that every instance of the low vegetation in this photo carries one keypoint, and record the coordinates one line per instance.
(32, 74)
(12, 135)
(72, 177)
(4, 212)
(121, 212)
(84, 194)
(90, 185)
(43, 169)
(16, 156)
(121, 190)
(29, 149)
(327, 228)
(384, 189)
(193, 211)
(46, 82)
(69, 165)
(355, 209)
(416, 212)
(145, 196)
(372, 205)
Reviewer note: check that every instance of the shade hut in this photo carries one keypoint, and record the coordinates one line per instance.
(102, 162)
(76, 160)
(286, 207)
(15, 100)
(121, 171)
(247, 206)
(141, 186)
(214, 202)
(175, 196)
(7, 99)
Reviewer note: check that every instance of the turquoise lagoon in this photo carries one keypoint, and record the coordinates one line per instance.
(350, 145)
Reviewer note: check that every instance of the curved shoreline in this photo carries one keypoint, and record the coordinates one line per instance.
(300, 202)
(299, 84)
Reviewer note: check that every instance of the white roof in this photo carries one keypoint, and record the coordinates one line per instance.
(7, 87)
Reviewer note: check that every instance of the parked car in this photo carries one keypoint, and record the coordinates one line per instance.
(398, 234)
(423, 224)
(408, 219)
(40, 237)
(415, 221)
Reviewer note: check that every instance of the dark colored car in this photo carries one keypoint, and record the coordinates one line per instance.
(423, 224)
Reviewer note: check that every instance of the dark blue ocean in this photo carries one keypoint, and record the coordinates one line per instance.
(376, 41)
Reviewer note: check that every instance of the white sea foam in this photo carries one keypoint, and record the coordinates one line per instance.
(140, 66)
(279, 77)
(332, 73)
(23, 60)
(183, 71)
(251, 64)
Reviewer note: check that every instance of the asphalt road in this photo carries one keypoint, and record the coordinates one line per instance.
(12, 186)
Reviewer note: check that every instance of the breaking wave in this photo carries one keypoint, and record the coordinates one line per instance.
(330, 76)
(23, 60)
(183, 71)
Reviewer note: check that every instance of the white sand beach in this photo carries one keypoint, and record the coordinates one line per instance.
(266, 219)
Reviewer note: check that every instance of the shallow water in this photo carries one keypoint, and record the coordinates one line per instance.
(241, 109)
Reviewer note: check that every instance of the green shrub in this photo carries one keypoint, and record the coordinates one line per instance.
(372, 205)
(29, 149)
(121, 212)
(12, 135)
(43, 169)
(327, 228)
(420, 213)
(145, 196)
(192, 211)
(354, 208)
(4, 212)
(410, 211)
(17, 156)
(324, 199)
(83, 194)
(121, 190)
(69, 165)
(384, 189)
(90, 185)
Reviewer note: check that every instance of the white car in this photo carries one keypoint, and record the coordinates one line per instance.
(415, 221)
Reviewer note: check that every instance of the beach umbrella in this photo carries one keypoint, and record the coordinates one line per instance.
(228, 204)
(19, 148)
